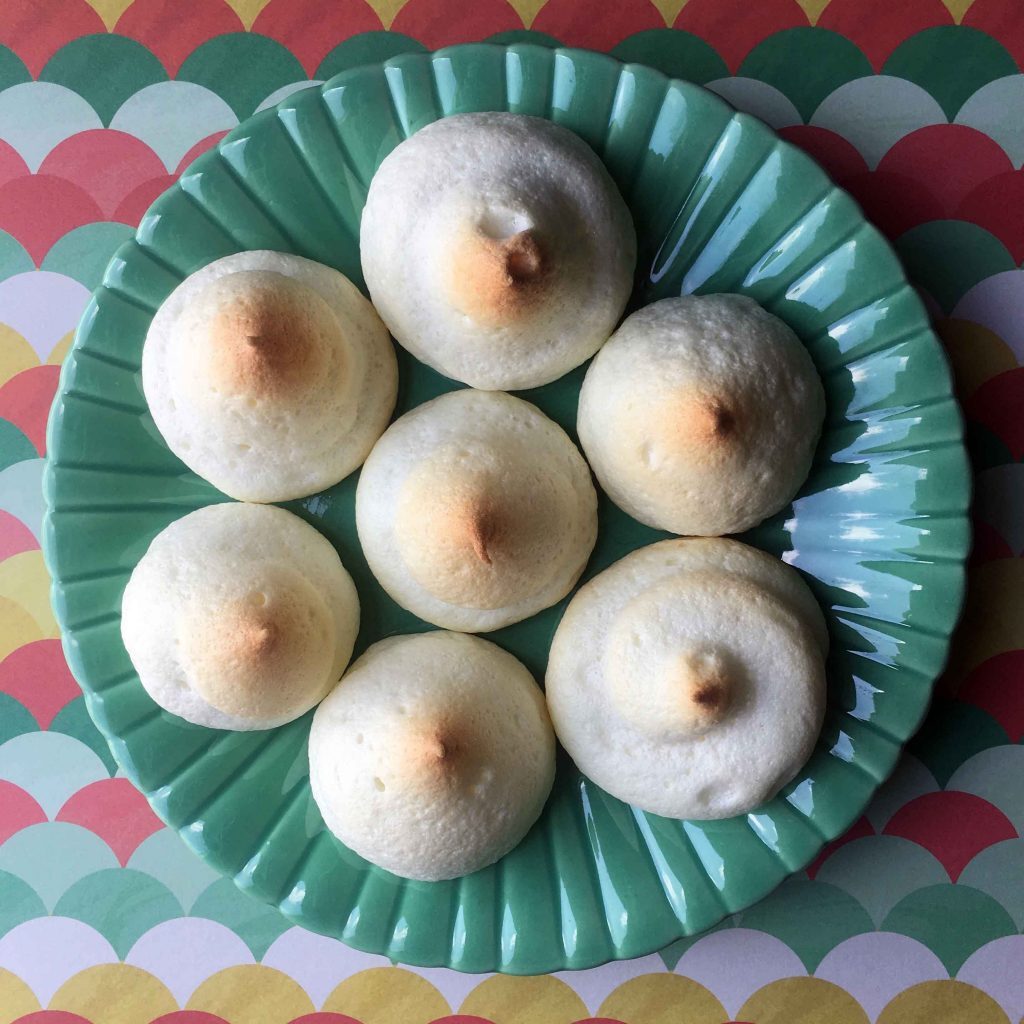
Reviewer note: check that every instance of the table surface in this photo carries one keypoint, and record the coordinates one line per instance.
(917, 108)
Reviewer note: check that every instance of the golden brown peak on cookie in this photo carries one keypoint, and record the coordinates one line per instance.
(704, 687)
(270, 336)
(498, 280)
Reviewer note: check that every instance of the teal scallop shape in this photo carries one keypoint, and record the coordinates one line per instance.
(675, 53)
(953, 921)
(15, 718)
(104, 69)
(121, 904)
(952, 734)
(256, 924)
(12, 69)
(13, 258)
(998, 871)
(951, 62)
(73, 720)
(242, 68)
(165, 857)
(14, 445)
(810, 917)
(806, 64)
(720, 204)
(84, 252)
(366, 48)
(19, 902)
(949, 257)
(524, 35)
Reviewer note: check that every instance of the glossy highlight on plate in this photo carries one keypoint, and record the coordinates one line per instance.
(879, 529)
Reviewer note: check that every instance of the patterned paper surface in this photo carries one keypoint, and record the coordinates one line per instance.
(916, 107)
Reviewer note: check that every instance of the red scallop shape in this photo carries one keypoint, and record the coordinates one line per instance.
(997, 205)
(39, 209)
(1001, 19)
(461, 1018)
(15, 536)
(18, 810)
(329, 1017)
(105, 163)
(877, 27)
(36, 29)
(439, 23)
(950, 160)
(997, 687)
(996, 404)
(858, 830)
(172, 29)
(26, 398)
(987, 544)
(575, 25)
(198, 150)
(116, 811)
(37, 676)
(894, 203)
(11, 163)
(735, 27)
(840, 158)
(310, 29)
(925, 821)
(131, 209)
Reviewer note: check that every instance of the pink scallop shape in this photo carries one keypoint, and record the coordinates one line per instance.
(21, 671)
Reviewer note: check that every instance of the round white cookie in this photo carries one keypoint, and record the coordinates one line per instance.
(433, 756)
(269, 375)
(475, 510)
(497, 249)
(688, 689)
(701, 415)
(239, 617)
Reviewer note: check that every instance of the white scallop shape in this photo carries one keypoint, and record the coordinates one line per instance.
(42, 306)
(594, 984)
(171, 117)
(50, 766)
(878, 871)
(995, 775)
(876, 966)
(988, 110)
(320, 964)
(996, 970)
(21, 493)
(53, 855)
(909, 780)
(284, 92)
(998, 871)
(712, 961)
(874, 113)
(997, 302)
(185, 951)
(47, 951)
(165, 857)
(36, 116)
(757, 98)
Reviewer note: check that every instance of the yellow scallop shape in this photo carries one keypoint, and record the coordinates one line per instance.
(251, 993)
(60, 351)
(110, 10)
(520, 1000)
(16, 354)
(16, 998)
(813, 9)
(663, 999)
(948, 1002)
(958, 8)
(975, 352)
(669, 9)
(991, 623)
(25, 581)
(387, 10)
(17, 627)
(114, 994)
(247, 10)
(388, 995)
(802, 1001)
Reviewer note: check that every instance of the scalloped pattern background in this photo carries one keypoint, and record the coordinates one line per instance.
(106, 918)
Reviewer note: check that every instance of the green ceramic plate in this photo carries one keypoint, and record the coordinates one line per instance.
(880, 529)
